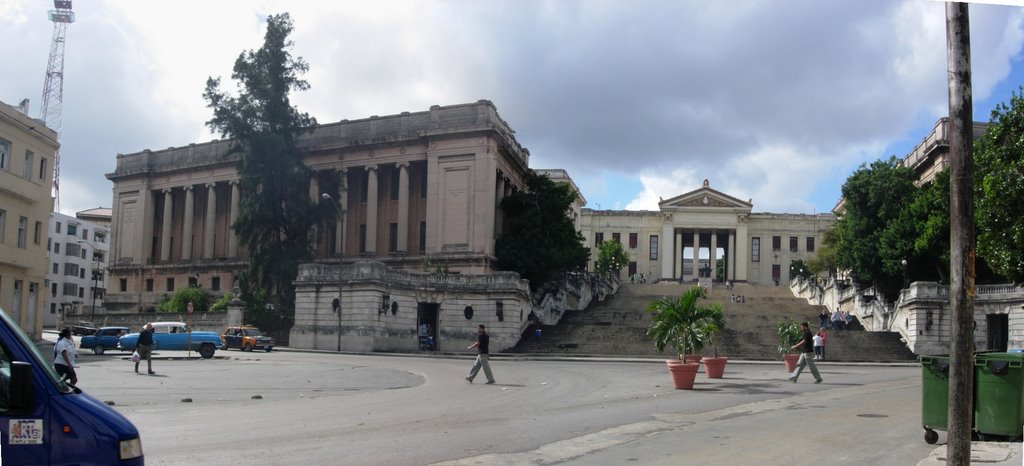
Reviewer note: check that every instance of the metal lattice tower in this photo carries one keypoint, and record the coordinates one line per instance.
(53, 89)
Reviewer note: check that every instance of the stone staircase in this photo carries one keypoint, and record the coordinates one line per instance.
(618, 326)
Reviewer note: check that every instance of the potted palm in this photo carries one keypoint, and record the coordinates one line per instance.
(789, 335)
(714, 366)
(683, 325)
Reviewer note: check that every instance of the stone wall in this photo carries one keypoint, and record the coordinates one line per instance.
(921, 313)
(501, 301)
(206, 321)
(363, 323)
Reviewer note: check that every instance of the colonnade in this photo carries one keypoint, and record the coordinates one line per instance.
(185, 231)
(698, 240)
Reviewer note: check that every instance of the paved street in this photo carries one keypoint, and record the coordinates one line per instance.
(283, 407)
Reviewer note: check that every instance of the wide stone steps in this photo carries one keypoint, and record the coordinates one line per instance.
(618, 326)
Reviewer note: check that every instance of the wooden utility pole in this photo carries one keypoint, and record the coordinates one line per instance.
(961, 231)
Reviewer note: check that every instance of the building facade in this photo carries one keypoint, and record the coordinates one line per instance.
(696, 233)
(414, 190)
(77, 251)
(27, 148)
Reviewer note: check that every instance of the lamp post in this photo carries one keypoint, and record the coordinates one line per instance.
(904, 264)
(337, 308)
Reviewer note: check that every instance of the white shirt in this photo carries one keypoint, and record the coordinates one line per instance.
(818, 341)
(65, 344)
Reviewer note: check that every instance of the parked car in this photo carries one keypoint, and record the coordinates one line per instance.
(247, 338)
(105, 338)
(84, 328)
(174, 336)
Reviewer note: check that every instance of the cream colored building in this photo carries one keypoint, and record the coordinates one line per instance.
(754, 247)
(78, 259)
(27, 147)
(414, 188)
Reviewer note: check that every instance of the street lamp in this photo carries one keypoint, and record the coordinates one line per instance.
(96, 274)
(336, 303)
(904, 263)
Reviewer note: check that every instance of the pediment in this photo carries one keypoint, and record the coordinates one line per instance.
(705, 197)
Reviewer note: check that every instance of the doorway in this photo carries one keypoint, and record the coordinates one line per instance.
(998, 331)
(426, 325)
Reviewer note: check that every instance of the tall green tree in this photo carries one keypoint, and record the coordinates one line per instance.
(999, 177)
(540, 242)
(611, 258)
(275, 210)
(874, 196)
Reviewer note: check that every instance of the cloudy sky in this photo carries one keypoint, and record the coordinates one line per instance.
(775, 101)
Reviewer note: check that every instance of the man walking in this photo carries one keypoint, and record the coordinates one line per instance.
(806, 347)
(482, 346)
(145, 348)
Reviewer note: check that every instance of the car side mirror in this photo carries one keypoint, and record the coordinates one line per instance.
(22, 395)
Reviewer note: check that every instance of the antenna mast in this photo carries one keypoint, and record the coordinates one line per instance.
(53, 89)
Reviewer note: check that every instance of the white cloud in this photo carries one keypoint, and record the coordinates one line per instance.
(768, 100)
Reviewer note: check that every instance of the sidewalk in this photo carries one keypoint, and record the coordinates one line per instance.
(998, 453)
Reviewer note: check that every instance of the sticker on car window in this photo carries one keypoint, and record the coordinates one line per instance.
(26, 431)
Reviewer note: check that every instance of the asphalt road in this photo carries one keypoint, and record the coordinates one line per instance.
(316, 408)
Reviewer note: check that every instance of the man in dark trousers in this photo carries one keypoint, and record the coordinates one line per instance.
(482, 343)
(145, 348)
(806, 347)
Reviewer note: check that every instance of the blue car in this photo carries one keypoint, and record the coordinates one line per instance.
(105, 338)
(175, 336)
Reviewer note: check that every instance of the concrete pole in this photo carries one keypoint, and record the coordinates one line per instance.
(962, 236)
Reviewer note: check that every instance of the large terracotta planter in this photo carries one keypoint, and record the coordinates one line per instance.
(683, 375)
(714, 367)
(791, 360)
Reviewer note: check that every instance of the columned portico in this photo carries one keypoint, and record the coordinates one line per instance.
(693, 223)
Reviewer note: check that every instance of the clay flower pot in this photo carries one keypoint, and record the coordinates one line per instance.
(692, 359)
(714, 367)
(791, 360)
(683, 375)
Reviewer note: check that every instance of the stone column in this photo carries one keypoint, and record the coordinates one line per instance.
(677, 258)
(165, 232)
(712, 260)
(668, 252)
(371, 210)
(403, 207)
(742, 252)
(696, 254)
(730, 256)
(211, 208)
(339, 237)
(314, 198)
(186, 229)
(499, 215)
(233, 216)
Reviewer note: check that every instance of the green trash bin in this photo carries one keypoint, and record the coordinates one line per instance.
(999, 394)
(934, 395)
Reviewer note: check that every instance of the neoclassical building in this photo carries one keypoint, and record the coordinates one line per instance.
(676, 242)
(414, 188)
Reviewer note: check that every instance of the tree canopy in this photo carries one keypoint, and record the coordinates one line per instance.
(540, 241)
(871, 236)
(276, 213)
(999, 175)
(611, 257)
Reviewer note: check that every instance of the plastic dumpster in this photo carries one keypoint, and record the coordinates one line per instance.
(999, 394)
(934, 395)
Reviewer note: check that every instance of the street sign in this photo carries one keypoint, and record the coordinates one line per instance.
(191, 307)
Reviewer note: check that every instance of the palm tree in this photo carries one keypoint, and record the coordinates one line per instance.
(682, 324)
